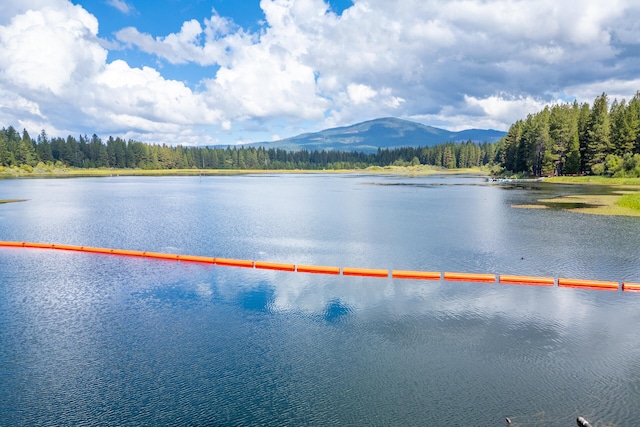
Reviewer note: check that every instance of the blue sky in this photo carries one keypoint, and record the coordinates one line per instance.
(234, 71)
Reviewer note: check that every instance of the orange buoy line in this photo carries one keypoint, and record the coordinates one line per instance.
(347, 271)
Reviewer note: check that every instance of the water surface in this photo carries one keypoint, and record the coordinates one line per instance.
(90, 339)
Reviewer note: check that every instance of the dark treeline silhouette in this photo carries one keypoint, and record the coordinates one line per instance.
(83, 152)
(576, 139)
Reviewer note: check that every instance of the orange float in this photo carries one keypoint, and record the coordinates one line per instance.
(469, 277)
(193, 258)
(274, 266)
(630, 287)
(588, 284)
(416, 275)
(38, 245)
(161, 255)
(96, 250)
(234, 262)
(318, 269)
(127, 252)
(526, 280)
(67, 247)
(12, 244)
(368, 272)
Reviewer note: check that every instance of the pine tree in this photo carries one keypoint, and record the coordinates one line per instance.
(26, 151)
(623, 128)
(599, 132)
(583, 136)
(43, 148)
(563, 129)
(4, 151)
(572, 163)
(510, 147)
(634, 119)
(526, 149)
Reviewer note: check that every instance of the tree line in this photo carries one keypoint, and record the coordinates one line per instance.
(21, 150)
(574, 138)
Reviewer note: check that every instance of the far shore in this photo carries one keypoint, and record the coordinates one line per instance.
(419, 170)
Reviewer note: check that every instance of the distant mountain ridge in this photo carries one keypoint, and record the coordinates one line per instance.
(382, 133)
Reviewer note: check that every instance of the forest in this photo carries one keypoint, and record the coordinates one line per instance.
(19, 149)
(562, 139)
(576, 139)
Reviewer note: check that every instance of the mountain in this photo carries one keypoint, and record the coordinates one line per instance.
(380, 133)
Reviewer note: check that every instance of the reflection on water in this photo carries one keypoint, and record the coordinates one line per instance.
(335, 311)
(90, 339)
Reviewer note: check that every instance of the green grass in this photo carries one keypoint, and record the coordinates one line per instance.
(624, 197)
(593, 180)
(631, 201)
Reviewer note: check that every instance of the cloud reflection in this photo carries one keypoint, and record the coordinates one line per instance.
(317, 294)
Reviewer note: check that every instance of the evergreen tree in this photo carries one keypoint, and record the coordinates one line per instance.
(511, 147)
(563, 129)
(598, 133)
(43, 148)
(623, 128)
(26, 154)
(583, 136)
(4, 151)
(572, 163)
(634, 119)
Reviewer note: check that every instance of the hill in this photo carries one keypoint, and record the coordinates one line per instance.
(380, 133)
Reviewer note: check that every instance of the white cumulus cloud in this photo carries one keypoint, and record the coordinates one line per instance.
(360, 94)
(54, 74)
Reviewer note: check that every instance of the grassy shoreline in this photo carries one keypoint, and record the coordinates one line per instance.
(602, 204)
(421, 170)
(593, 180)
(623, 201)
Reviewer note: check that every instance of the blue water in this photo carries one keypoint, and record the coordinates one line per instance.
(91, 339)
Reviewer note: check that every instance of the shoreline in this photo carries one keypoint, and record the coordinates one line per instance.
(611, 204)
(593, 180)
(422, 170)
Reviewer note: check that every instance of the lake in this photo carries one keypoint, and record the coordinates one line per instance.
(94, 339)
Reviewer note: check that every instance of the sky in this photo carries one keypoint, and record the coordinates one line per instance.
(207, 72)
